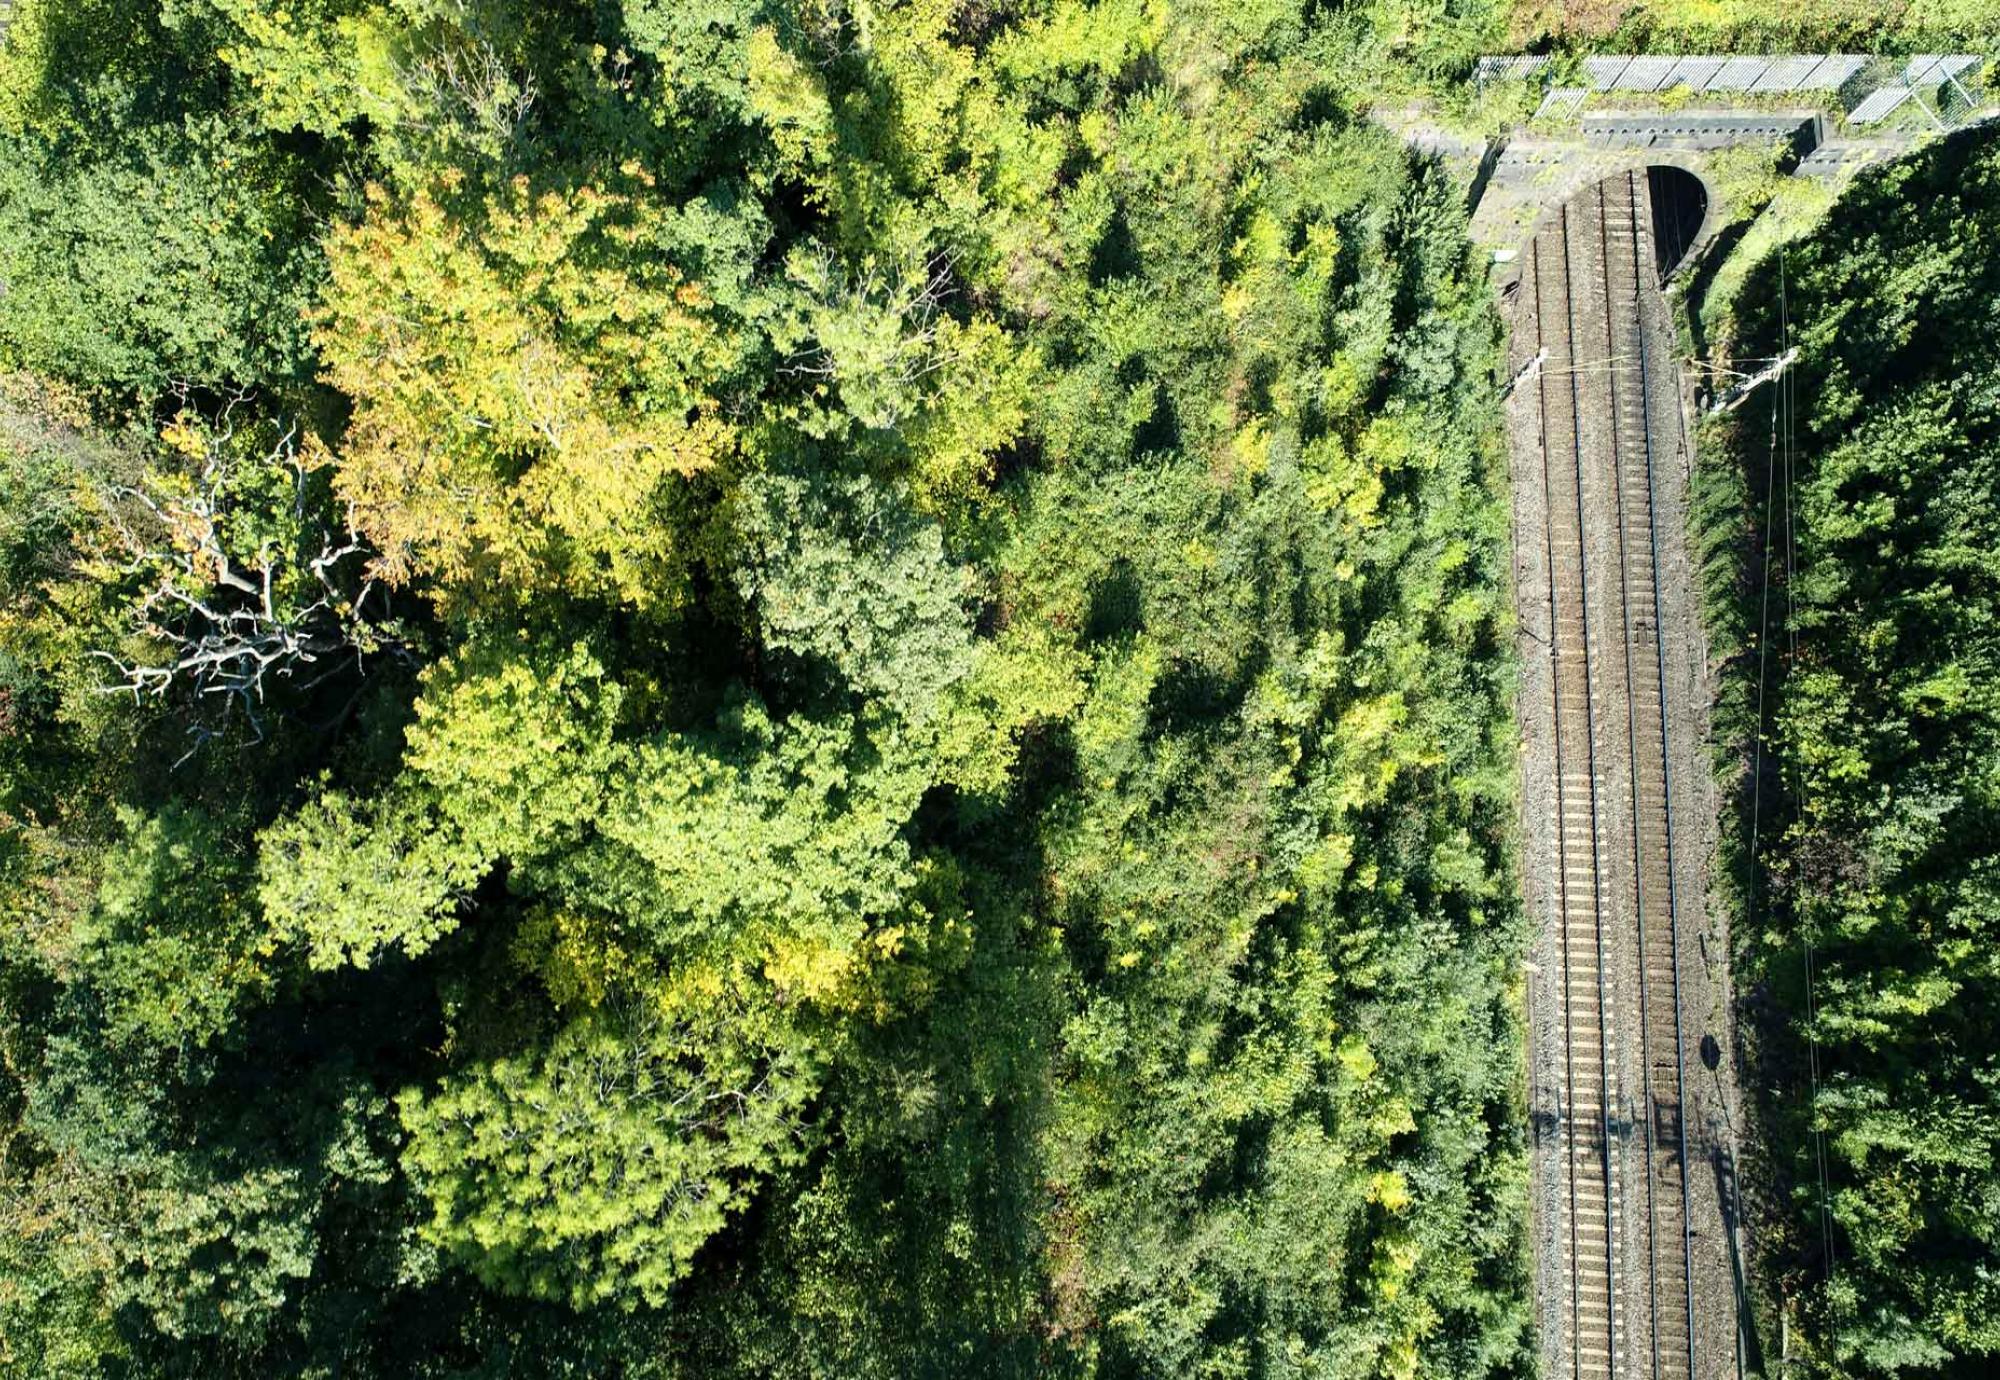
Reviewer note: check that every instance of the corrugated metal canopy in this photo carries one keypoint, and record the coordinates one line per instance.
(1645, 73)
(1785, 73)
(1693, 71)
(1738, 74)
(1605, 71)
(1879, 105)
(1497, 67)
(1564, 100)
(1770, 74)
(1927, 68)
(1833, 73)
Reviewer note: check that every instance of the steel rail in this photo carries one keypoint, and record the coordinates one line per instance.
(1562, 851)
(1593, 850)
(1611, 350)
(1585, 689)
(1561, 841)
(1596, 834)
(1666, 797)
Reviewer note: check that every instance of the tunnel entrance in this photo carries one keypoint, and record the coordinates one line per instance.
(1680, 206)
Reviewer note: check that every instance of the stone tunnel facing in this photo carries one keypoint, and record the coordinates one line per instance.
(1680, 206)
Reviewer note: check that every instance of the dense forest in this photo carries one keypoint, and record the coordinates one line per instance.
(1855, 515)
(1751, 26)
(779, 688)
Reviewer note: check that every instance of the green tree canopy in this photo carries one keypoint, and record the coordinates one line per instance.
(916, 778)
(1876, 899)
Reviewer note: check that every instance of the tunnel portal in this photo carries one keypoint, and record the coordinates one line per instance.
(1680, 210)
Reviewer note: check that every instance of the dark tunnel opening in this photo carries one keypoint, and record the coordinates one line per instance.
(1680, 204)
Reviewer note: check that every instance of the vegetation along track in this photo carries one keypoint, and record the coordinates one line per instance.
(1615, 1129)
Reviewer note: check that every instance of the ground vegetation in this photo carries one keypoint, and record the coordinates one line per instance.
(1850, 519)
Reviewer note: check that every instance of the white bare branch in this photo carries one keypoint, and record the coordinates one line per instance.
(223, 624)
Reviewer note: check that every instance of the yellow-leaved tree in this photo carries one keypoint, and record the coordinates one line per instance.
(531, 384)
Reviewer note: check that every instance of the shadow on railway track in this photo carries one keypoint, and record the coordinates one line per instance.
(1749, 1354)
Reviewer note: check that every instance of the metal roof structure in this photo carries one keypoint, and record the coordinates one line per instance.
(1737, 74)
(1927, 68)
(1696, 72)
(1879, 105)
(1563, 100)
(1766, 75)
(1645, 73)
(1785, 74)
(1499, 67)
(1832, 73)
(1603, 72)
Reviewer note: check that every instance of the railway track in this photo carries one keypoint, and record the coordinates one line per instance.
(1626, 1237)
(1624, 223)
(1591, 1230)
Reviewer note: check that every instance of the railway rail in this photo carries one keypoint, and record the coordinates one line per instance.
(1626, 1237)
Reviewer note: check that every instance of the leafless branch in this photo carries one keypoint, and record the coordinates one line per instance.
(830, 28)
(463, 81)
(908, 304)
(222, 623)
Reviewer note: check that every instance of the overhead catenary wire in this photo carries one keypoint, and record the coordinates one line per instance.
(1781, 534)
(1632, 364)
(1787, 401)
(1756, 864)
(1713, 369)
(1744, 1324)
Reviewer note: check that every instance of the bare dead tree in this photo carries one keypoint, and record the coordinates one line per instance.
(224, 623)
(876, 325)
(461, 82)
(831, 29)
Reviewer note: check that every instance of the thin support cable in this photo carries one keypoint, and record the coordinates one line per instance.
(1787, 404)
